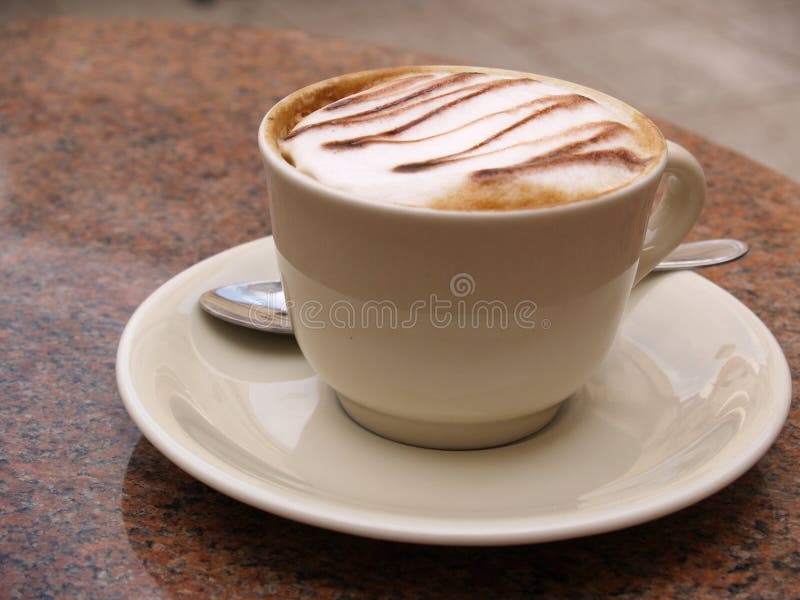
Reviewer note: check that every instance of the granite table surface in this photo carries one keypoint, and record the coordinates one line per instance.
(127, 153)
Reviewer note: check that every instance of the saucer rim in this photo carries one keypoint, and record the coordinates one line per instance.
(479, 531)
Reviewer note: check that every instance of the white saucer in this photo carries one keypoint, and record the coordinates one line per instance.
(694, 392)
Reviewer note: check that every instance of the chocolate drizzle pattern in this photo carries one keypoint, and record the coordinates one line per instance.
(396, 106)
(377, 92)
(488, 123)
(552, 103)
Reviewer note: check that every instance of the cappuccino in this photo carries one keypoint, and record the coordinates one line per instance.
(469, 139)
(421, 186)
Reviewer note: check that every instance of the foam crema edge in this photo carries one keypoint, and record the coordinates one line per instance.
(463, 138)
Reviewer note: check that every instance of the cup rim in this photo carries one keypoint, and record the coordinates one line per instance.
(271, 155)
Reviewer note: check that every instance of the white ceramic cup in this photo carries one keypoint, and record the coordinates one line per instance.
(534, 297)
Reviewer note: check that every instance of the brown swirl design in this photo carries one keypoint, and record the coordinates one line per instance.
(377, 92)
(400, 105)
(451, 92)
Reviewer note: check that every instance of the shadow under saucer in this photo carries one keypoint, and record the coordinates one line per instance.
(194, 540)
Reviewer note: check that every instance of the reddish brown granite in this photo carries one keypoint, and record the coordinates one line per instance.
(126, 154)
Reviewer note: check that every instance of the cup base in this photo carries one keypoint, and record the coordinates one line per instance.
(447, 436)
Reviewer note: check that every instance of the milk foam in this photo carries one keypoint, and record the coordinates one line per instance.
(471, 140)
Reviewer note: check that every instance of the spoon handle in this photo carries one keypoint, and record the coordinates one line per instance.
(691, 255)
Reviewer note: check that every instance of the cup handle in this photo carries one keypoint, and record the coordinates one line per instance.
(678, 210)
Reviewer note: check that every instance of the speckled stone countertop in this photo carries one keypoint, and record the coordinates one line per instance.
(127, 153)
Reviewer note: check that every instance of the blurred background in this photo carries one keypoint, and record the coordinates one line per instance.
(728, 69)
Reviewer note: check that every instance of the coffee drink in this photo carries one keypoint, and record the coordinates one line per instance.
(472, 140)
(457, 244)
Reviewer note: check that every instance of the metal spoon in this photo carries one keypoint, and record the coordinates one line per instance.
(261, 304)
(704, 253)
